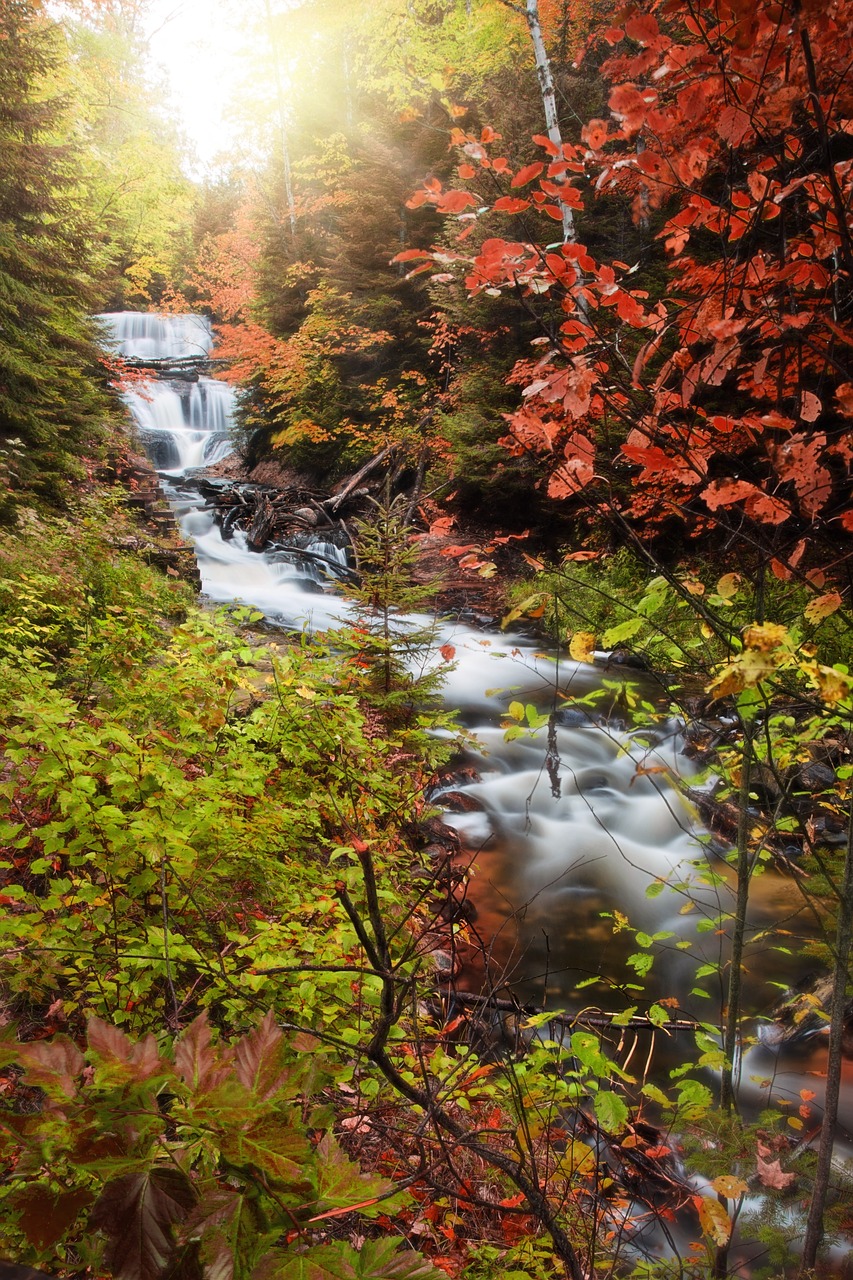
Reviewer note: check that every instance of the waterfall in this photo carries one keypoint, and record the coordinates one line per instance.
(183, 424)
(144, 335)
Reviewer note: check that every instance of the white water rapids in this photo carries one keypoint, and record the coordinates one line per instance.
(548, 874)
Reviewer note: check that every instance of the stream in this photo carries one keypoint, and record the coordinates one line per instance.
(549, 873)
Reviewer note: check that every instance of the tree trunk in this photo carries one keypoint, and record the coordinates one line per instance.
(549, 99)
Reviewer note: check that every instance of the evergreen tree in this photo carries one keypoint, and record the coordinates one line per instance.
(50, 405)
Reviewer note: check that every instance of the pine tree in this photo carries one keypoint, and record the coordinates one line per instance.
(50, 404)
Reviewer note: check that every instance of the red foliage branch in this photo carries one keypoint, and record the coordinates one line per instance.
(730, 397)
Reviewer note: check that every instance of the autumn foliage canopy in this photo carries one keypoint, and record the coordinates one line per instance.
(724, 399)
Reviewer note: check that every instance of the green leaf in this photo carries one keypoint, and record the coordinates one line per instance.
(622, 1019)
(611, 1111)
(376, 1260)
(225, 1222)
(623, 631)
(271, 1145)
(341, 1182)
(384, 1260)
(658, 1016)
(323, 1262)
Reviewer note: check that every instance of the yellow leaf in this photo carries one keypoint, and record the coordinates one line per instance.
(730, 1187)
(820, 608)
(764, 637)
(581, 646)
(695, 587)
(577, 1158)
(305, 692)
(714, 1221)
(728, 585)
(833, 686)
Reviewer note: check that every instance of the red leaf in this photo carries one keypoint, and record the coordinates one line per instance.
(528, 173)
(844, 396)
(810, 406)
(136, 1213)
(761, 506)
(442, 525)
(594, 134)
(510, 204)
(542, 141)
(455, 201)
(45, 1216)
(734, 125)
(448, 652)
(259, 1058)
(643, 28)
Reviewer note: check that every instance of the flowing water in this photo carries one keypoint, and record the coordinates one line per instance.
(551, 873)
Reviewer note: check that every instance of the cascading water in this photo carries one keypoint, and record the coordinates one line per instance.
(184, 422)
(551, 872)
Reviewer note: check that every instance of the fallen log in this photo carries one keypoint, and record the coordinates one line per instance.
(352, 484)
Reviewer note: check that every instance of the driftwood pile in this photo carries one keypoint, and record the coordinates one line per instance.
(291, 517)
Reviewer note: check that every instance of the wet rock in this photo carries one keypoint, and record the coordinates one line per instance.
(802, 1015)
(572, 717)
(307, 514)
(627, 658)
(459, 802)
(435, 832)
(446, 966)
(813, 777)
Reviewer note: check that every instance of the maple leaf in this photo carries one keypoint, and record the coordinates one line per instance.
(137, 1213)
(259, 1058)
(770, 1173)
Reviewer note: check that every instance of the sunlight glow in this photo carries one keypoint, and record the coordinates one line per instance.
(197, 44)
